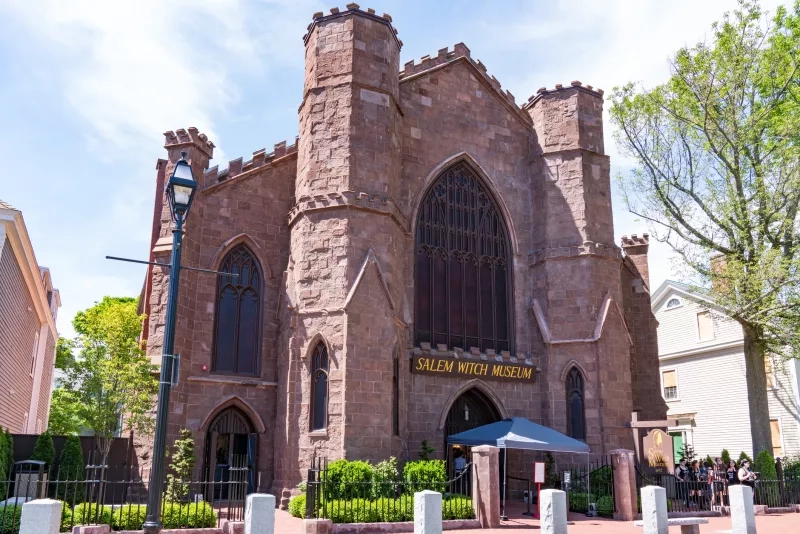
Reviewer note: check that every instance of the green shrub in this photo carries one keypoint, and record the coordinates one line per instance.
(425, 474)
(297, 506)
(742, 457)
(9, 519)
(792, 467)
(605, 506)
(578, 502)
(44, 450)
(396, 510)
(726, 457)
(765, 466)
(129, 517)
(70, 471)
(384, 477)
(91, 514)
(346, 480)
(352, 511)
(601, 480)
(66, 517)
(192, 515)
(458, 507)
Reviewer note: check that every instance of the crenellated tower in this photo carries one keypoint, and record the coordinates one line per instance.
(577, 296)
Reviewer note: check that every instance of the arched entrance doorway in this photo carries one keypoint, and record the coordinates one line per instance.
(231, 449)
(471, 409)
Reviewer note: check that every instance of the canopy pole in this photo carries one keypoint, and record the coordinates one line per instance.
(503, 516)
(589, 488)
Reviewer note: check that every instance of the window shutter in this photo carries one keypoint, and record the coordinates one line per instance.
(670, 379)
(705, 326)
(777, 442)
(769, 372)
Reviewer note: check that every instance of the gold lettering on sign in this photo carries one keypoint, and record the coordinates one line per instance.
(496, 370)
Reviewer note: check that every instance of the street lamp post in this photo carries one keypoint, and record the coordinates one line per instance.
(180, 192)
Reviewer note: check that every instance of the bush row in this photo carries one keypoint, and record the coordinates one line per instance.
(128, 517)
(382, 510)
(578, 502)
(344, 479)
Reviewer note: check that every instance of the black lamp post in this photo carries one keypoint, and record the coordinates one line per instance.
(180, 192)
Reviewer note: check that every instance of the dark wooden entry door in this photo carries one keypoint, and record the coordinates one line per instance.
(231, 455)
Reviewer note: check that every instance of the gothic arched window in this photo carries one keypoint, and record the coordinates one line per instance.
(463, 266)
(576, 418)
(319, 388)
(237, 326)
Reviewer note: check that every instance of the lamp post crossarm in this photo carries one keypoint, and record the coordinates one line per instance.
(167, 265)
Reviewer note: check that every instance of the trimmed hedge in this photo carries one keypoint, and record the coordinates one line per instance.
(129, 517)
(132, 516)
(425, 474)
(578, 503)
(387, 510)
(297, 506)
(9, 519)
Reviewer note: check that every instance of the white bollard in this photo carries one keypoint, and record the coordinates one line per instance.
(654, 510)
(42, 516)
(427, 512)
(259, 514)
(553, 508)
(743, 513)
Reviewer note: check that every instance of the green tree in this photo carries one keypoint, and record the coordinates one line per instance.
(64, 354)
(742, 457)
(111, 382)
(70, 471)
(183, 460)
(65, 413)
(726, 457)
(44, 450)
(765, 466)
(425, 450)
(6, 458)
(717, 177)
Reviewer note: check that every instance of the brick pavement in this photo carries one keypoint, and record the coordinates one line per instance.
(767, 524)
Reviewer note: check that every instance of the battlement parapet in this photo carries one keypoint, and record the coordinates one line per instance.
(575, 84)
(351, 9)
(188, 137)
(238, 166)
(635, 240)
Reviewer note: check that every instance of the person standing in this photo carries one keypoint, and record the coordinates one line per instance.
(682, 481)
(747, 476)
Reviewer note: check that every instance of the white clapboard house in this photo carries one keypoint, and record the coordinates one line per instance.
(703, 378)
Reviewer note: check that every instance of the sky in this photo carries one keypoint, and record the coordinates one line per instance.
(87, 88)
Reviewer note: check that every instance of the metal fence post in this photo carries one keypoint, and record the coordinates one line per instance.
(311, 494)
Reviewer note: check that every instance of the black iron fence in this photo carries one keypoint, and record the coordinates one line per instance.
(349, 498)
(590, 487)
(95, 498)
(710, 495)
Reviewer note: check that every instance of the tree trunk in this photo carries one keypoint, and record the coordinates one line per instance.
(757, 391)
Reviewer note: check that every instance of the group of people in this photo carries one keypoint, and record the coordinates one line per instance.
(705, 484)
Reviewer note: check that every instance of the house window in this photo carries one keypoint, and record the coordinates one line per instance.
(769, 371)
(777, 438)
(396, 396)
(669, 380)
(673, 303)
(463, 266)
(35, 351)
(705, 326)
(576, 418)
(319, 388)
(237, 333)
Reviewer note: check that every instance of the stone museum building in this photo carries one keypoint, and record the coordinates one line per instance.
(426, 257)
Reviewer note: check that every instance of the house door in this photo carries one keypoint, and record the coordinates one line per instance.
(677, 446)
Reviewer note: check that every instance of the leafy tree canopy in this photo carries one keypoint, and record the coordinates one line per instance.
(717, 176)
(111, 384)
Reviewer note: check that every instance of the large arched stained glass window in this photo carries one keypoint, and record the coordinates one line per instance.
(237, 331)
(576, 418)
(463, 266)
(319, 388)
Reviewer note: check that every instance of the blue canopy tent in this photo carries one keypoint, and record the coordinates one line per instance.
(519, 433)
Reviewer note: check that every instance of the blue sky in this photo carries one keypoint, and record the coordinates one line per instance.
(88, 87)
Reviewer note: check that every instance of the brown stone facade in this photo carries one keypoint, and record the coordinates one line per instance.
(331, 219)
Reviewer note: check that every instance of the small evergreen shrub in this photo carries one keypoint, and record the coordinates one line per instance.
(726, 457)
(742, 457)
(9, 519)
(458, 507)
(44, 450)
(347, 480)
(183, 460)
(91, 514)
(70, 472)
(425, 450)
(352, 511)
(192, 515)
(601, 480)
(129, 517)
(297, 506)
(765, 466)
(425, 474)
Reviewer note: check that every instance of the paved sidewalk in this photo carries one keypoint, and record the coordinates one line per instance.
(766, 524)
